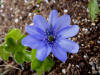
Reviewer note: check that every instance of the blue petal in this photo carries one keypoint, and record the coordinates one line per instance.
(53, 17)
(43, 52)
(59, 53)
(68, 45)
(33, 30)
(69, 31)
(62, 22)
(31, 42)
(40, 22)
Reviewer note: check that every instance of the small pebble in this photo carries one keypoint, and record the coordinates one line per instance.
(85, 19)
(3, 14)
(85, 30)
(87, 10)
(16, 20)
(2, 6)
(65, 11)
(91, 63)
(37, 5)
(98, 41)
(94, 72)
(54, 1)
(99, 71)
(71, 56)
(35, 14)
(31, 24)
(78, 36)
(30, 14)
(1, 11)
(82, 44)
(93, 68)
(12, 15)
(20, 17)
(77, 66)
(85, 56)
(64, 71)
(75, 21)
(89, 72)
(25, 1)
(46, 1)
(69, 65)
(93, 24)
(11, 9)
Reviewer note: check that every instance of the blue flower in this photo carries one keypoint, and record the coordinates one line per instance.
(51, 36)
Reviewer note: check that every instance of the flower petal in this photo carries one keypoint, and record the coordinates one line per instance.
(31, 42)
(43, 52)
(68, 45)
(34, 30)
(62, 22)
(40, 22)
(59, 53)
(69, 31)
(53, 17)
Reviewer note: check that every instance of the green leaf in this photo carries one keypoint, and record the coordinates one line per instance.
(41, 66)
(46, 66)
(19, 46)
(19, 57)
(93, 9)
(13, 45)
(3, 53)
(20, 39)
(33, 54)
(14, 33)
(35, 11)
(10, 45)
(27, 56)
(35, 63)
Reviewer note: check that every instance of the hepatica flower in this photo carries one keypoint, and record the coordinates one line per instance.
(51, 37)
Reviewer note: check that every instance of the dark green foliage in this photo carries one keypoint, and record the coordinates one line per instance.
(12, 45)
(41, 66)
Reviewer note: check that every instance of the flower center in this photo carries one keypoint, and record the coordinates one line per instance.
(51, 38)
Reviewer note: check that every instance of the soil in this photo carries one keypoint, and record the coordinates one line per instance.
(19, 13)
